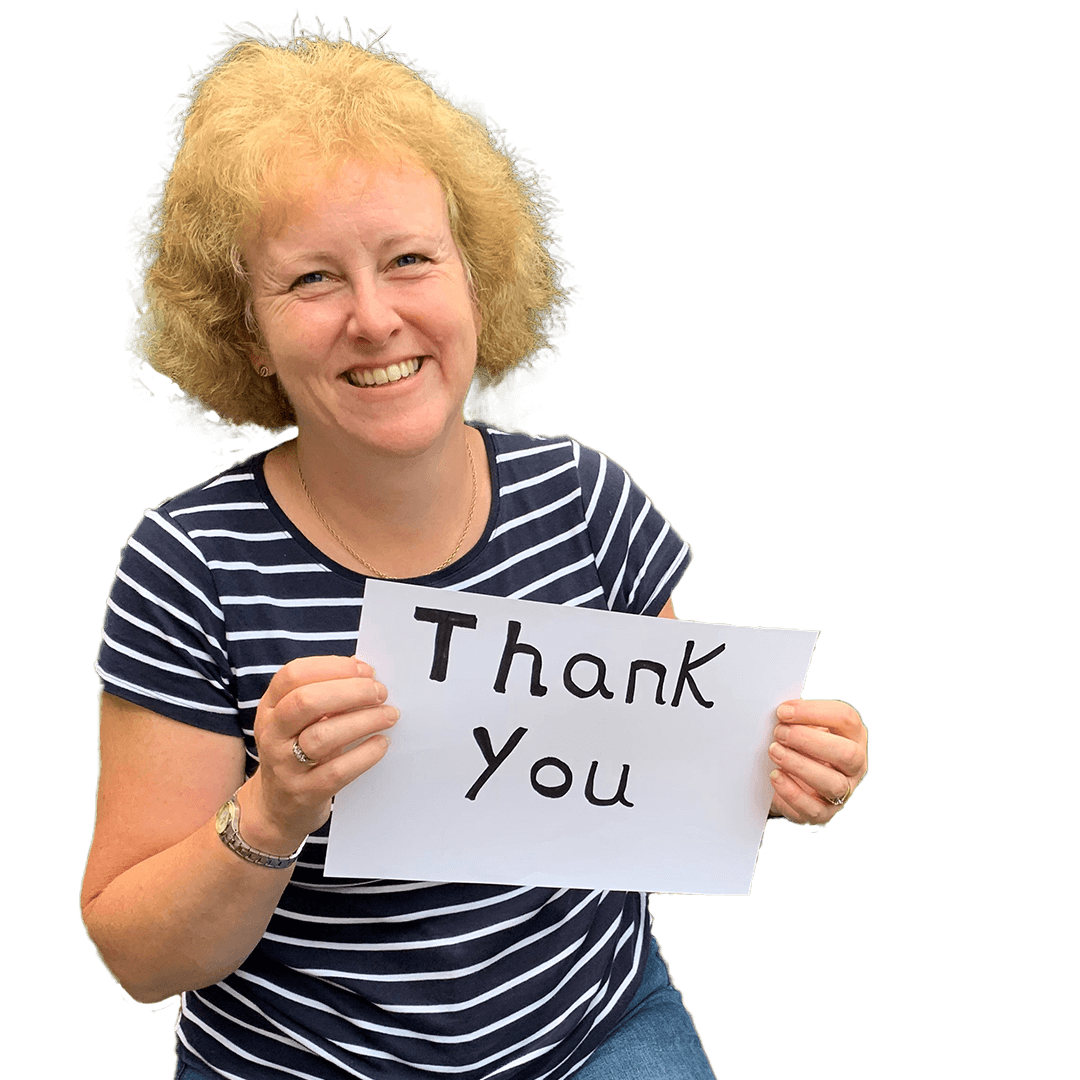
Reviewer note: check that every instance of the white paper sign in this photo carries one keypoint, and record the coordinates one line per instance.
(558, 746)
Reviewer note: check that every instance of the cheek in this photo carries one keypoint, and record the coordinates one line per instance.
(304, 333)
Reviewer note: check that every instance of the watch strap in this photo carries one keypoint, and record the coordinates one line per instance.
(227, 824)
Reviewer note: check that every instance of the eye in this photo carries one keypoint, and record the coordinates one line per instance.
(314, 277)
(412, 259)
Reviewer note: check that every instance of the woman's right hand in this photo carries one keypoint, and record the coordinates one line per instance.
(335, 709)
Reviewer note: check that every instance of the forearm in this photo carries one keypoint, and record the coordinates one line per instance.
(184, 918)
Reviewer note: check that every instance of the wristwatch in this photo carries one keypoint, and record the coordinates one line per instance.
(227, 823)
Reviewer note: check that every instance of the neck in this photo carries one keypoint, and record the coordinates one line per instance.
(402, 514)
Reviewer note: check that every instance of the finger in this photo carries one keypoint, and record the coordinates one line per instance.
(343, 769)
(837, 751)
(311, 669)
(312, 701)
(806, 807)
(330, 736)
(837, 716)
(824, 781)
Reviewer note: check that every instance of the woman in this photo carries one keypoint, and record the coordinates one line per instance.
(339, 248)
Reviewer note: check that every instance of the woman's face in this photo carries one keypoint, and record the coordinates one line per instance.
(363, 285)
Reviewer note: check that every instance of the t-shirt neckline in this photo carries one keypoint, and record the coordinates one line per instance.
(320, 556)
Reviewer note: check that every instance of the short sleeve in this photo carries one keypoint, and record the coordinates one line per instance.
(639, 556)
(163, 643)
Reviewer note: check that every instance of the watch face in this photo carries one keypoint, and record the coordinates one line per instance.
(221, 820)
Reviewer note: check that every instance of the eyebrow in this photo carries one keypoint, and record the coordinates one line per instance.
(393, 240)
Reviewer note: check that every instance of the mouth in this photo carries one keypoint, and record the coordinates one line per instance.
(383, 375)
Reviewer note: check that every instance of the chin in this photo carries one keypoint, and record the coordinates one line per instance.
(411, 433)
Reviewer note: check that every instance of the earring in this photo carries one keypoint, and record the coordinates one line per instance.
(264, 371)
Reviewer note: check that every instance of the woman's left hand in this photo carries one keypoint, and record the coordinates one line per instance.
(820, 757)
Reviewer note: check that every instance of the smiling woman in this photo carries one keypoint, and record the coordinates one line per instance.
(340, 248)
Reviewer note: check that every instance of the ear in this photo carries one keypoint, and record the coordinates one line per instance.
(262, 365)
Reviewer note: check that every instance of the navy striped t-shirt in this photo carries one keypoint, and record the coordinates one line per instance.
(216, 590)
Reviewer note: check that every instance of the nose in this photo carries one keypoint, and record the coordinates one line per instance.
(373, 318)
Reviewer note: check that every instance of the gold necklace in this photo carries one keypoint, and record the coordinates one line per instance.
(355, 554)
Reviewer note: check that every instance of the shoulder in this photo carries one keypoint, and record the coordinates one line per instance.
(511, 444)
(206, 510)
(238, 486)
(542, 451)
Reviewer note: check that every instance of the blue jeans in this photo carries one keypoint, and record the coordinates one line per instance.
(655, 1040)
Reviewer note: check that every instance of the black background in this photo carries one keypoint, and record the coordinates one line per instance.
(717, 353)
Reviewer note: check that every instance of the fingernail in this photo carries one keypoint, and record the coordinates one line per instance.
(775, 751)
(380, 691)
(774, 775)
(781, 732)
(785, 712)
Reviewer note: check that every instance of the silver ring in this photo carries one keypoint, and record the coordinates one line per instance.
(301, 756)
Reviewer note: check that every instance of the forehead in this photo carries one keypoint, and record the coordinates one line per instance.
(356, 196)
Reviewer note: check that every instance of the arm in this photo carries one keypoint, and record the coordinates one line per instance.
(168, 905)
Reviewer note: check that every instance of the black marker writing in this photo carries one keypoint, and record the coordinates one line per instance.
(598, 685)
(483, 740)
(557, 790)
(685, 678)
(511, 649)
(446, 621)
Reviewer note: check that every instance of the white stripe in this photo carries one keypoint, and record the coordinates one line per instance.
(310, 601)
(532, 481)
(584, 597)
(410, 916)
(534, 514)
(596, 490)
(228, 478)
(281, 568)
(232, 534)
(563, 571)
(210, 508)
(510, 455)
(168, 698)
(291, 635)
(626, 557)
(648, 559)
(258, 669)
(615, 521)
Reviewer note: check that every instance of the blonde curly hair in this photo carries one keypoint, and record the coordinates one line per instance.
(258, 113)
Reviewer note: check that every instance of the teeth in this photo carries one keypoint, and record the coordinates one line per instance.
(381, 376)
